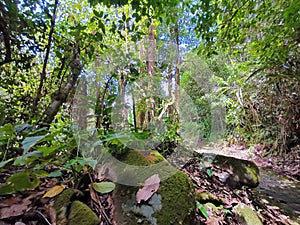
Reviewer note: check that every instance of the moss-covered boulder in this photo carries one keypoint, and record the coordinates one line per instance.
(246, 216)
(81, 214)
(172, 203)
(242, 172)
(61, 205)
(70, 211)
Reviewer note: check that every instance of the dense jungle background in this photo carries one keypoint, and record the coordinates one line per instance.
(83, 77)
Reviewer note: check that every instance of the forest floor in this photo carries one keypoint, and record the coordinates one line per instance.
(278, 194)
(30, 208)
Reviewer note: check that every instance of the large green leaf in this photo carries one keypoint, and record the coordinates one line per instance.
(104, 187)
(47, 150)
(8, 129)
(25, 159)
(30, 142)
(20, 182)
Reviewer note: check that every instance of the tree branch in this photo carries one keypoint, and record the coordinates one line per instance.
(48, 48)
(62, 94)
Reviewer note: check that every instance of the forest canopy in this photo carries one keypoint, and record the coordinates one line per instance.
(225, 69)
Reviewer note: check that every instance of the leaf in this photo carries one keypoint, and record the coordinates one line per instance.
(209, 172)
(3, 163)
(41, 173)
(202, 210)
(104, 187)
(20, 182)
(20, 128)
(150, 186)
(8, 129)
(47, 150)
(56, 173)
(54, 191)
(28, 142)
(23, 159)
(226, 211)
(15, 209)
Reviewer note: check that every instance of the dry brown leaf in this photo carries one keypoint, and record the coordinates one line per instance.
(150, 186)
(212, 221)
(14, 210)
(50, 210)
(54, 191)
(10, 201)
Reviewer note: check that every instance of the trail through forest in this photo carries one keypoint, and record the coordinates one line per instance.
(282, 191)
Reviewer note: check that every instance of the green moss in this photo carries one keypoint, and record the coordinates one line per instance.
(245, 172)
(178, 200)
(135, 158)
(140, 165)
(61, 205)
(205, 196)
(176, 192)
(246, 215)
(155, 157)
(81, 214)
(253, 173)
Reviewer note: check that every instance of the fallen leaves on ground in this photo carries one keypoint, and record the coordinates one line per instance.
(54, 191)
(150, 186)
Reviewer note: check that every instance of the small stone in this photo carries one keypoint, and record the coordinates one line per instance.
(205, 196)
(246, 215)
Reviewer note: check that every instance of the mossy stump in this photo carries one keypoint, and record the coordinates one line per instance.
(173, 203)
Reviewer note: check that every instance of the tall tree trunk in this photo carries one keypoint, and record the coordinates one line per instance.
(134, 113)
(151, 72)
(100, 104)
(60, 96)
(170, 81)
(143, 104)
(82, 105)
(151, 51)
(177, 73)
(43, 74)
(122, 111)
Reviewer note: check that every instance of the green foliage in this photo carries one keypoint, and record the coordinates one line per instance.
(251, 54)
(261, 33)
(291, 16)
(19, 182)
(37, 149)
(104, 187)
(202, 210)
(209, 172)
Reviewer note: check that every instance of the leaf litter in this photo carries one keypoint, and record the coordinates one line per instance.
(28, 207)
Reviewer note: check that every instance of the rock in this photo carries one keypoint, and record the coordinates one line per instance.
(61, 206)
(81, 214)
(70, 211)
(242, 172)
(204, 197)
(246, 216)
(173, 203)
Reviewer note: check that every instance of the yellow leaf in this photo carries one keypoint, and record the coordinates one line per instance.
(56, 190)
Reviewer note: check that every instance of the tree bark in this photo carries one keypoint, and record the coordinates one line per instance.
(60, 96)
(177, 72)
(43, 74)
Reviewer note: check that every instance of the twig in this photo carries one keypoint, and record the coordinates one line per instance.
(46, 220)
(98, 202)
